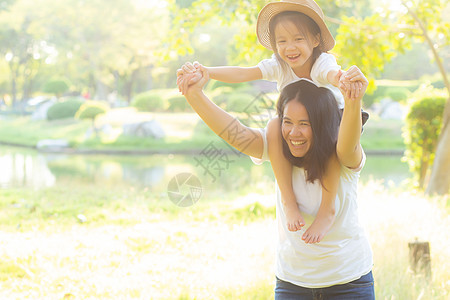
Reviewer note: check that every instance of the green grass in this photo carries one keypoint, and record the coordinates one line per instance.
(137, 244)
(383, 135)
(115, 205)
(23, 131)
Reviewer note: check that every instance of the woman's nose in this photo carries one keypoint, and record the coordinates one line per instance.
(296, 131)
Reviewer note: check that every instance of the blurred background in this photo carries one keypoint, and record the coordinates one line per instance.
(95, 138)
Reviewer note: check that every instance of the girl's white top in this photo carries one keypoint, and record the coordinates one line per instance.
(272, 71)
(343, 255)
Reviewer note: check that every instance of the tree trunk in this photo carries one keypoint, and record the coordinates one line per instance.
(423, 171)
(440, 174)
(101, 90)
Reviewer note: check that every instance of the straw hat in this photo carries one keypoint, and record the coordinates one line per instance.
(307, 7)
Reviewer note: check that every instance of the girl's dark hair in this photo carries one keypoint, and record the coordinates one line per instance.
(324, 118)
(304, 24)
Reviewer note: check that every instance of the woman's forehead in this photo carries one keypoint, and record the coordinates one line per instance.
(295, 110)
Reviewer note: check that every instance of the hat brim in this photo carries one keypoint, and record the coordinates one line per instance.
(274, 8)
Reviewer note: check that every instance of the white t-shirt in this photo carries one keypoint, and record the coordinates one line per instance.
(272, 71)
(343, 255)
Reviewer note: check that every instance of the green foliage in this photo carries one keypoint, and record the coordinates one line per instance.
(423, 126)
(177, 104)
(236, 102)
(358, 43)
(398, 93)
(65, 109)
(217, 84)
(91, 109)
(395, 92)
(148, 101)
(56, 87)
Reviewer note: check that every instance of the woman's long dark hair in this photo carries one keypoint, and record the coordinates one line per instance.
(324, 118)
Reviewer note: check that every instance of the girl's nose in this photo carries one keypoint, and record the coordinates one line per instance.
(290, 46)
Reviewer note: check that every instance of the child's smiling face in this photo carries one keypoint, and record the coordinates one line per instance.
(294, 47)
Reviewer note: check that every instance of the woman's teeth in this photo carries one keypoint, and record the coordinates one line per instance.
(297, 143)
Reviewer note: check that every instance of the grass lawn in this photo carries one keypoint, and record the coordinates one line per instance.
(132, 244)
(383, 135)
(183, 132)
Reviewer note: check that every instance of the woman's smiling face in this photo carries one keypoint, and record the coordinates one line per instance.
(296, 128)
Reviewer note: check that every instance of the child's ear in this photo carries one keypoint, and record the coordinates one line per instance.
(316, 41)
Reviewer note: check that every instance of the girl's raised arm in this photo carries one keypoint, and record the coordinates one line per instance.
(246, 140)
(230, 74)
(348, 146)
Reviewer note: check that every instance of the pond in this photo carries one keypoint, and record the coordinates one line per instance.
(227, 174)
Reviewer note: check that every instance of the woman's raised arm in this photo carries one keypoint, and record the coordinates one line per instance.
(246, 140)
(348, 147)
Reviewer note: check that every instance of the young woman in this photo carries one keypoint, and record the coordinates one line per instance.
(339, 267)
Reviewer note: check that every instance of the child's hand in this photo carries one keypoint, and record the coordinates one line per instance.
(335, 76)
(191, 71)
(186, 80)
(193, 81)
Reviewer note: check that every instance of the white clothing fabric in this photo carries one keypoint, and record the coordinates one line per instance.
(343, 255)
(272, 71)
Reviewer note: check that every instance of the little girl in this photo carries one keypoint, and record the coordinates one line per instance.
(296, 32)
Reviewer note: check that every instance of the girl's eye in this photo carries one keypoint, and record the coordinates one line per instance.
(281, 41)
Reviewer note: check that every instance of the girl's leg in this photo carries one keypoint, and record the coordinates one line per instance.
(282, 169)
(326, 214)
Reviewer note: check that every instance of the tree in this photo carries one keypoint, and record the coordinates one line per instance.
(423, 21)
(22, 51)
(56, 86)
(90, 110)
(103, 45)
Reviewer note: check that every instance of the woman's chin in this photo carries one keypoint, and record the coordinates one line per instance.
(297, 152)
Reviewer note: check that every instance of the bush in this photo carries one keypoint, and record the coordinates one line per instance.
(218, 84)
(237, 102)
(423, 126)
(91, 109)
(65, 109)
(397, 93)
(148, 101)
(178, 103)
(56, 87)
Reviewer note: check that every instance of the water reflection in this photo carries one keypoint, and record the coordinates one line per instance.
(24, 170)
(27, 168)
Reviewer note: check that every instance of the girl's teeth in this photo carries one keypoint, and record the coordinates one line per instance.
(297, 143)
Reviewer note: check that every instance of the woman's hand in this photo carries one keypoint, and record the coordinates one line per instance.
(353, 84)
(348, 146)
(189, 83)
(188, 74)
